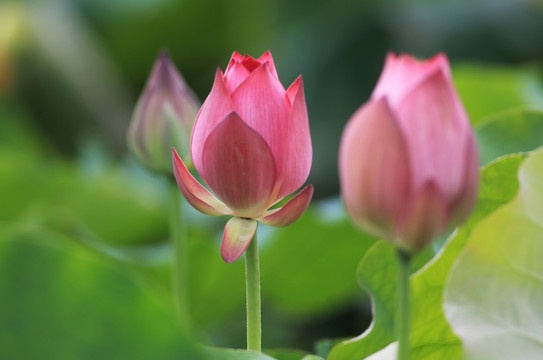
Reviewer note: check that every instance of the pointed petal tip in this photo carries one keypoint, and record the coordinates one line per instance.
(291, 211)
(267, 58)
(296, 87)
(236, 57)
(195, 194)
(165, 77)
(164, 54)
(262, 82)
(164, 67)
(238, 234)
(390, 56)
(219, 74)
(266, 53)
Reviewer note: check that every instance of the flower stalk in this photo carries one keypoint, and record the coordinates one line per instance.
(163, 117)
(403, 316)
(252, 283)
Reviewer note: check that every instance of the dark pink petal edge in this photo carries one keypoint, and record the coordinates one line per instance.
(291, 211)
(197, 195)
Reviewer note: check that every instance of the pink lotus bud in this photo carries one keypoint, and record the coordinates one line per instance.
(163, 117)
(408, 161)
(251, 145)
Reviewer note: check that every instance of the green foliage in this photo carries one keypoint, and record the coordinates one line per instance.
(493, 294)
(61, 301)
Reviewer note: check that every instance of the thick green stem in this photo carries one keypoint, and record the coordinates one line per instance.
(252, 283)
(404, 305)
(179, 234)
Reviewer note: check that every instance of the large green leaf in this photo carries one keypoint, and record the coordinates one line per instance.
(509, 132)
(493, 296)
(431, 335)
(60, 300)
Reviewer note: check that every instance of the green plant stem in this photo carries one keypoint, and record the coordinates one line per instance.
(404, 304)
(252, 283)
(179, 234)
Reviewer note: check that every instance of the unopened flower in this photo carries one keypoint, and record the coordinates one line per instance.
(408, 161)
(163, 117)
(252, 147)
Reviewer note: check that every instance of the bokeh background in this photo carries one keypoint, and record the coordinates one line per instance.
(85, 257)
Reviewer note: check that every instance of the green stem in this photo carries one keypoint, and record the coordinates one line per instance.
(179, 234)
(252, 283)
(404, 307)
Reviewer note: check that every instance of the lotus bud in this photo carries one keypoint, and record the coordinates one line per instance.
(408, 161)
(252, 147)
(163, 117)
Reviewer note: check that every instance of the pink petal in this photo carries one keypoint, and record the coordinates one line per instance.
(291, 211)
(294, 157)
(250, 63)
(403, 73)
(423, 219)
(215, 108)
(236, 57)
(237, 236)
(262, 104)
(235, 75)
(267, 58)
(239, 167)
(198, 196)
(435, 127)
(462, 206)
(373, 168)
(292, 90)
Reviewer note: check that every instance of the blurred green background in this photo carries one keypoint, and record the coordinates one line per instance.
(85, 257)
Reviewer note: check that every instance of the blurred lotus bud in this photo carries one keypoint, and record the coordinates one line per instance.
(163, 117)
(408, 161)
